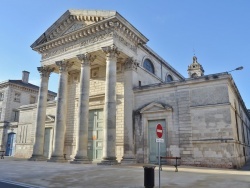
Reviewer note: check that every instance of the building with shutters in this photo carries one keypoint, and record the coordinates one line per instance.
(113, 90)
(13, 94)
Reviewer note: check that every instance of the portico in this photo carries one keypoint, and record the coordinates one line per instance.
(90, 48)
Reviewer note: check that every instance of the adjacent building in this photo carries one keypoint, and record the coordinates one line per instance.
(113, 90)
(13, 94)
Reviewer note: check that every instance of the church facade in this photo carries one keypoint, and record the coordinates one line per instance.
(113, 90)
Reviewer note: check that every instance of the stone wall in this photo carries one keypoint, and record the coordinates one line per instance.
(27, 126)
(26, 132)
(4, 102)
(97, 89)
(202, 123)
(158, 96)
(241, 125)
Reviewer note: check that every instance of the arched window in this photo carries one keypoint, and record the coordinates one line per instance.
(169, 78)
(194, 75)
(148, 65)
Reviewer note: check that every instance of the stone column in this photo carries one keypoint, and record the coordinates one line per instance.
(109, 129)
(41, 114)
(83, 110)
(61, 113)
(129, 80)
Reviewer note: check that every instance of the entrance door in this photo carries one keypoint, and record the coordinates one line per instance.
(47, 149)
(10, 147)
(153, 146)
(95, 136)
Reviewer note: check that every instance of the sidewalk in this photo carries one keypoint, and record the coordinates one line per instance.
(246, 167)
(48, 174)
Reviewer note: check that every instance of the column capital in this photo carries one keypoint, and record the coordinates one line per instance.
(111, 51)
(86, 59)
(130, 64)
(63, 65)
(45, 71)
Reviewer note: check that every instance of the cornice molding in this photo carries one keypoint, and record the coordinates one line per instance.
(82, 42)
(71, 18)
(111, 24)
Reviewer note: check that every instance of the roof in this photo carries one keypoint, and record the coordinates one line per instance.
(27, 85)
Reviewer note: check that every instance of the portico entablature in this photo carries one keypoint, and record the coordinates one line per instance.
(81, 31)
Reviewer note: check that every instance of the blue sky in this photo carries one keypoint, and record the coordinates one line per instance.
(218, 30)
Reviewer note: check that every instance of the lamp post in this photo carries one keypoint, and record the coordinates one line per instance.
(238, 68)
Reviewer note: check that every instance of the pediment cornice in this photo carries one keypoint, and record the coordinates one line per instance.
(82, 24)
(154, 107)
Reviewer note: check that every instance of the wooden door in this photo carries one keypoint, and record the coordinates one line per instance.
(10, 147)
(95, 135)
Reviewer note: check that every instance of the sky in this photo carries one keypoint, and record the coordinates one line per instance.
(217, 31)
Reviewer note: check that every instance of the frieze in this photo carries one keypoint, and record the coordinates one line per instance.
(79, 43)
(125, 42)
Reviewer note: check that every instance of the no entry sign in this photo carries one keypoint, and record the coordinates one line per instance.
(159, 131)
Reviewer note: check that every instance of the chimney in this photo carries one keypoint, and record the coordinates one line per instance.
(25, 77)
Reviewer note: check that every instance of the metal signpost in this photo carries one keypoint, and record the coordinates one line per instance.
(159, 133)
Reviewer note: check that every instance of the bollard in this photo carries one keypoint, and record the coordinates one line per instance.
(149, 176)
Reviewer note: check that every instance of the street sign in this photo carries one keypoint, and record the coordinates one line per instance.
(161, 140)
(159, 131)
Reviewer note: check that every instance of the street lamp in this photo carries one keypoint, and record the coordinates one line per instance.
(238, 68)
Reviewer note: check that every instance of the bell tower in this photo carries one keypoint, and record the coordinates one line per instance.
(195, 69)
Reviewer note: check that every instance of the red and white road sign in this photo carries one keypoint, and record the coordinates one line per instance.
(159, 131)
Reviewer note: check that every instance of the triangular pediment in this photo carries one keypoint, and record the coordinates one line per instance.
(70, 21)
(74, 27)
(155, 107)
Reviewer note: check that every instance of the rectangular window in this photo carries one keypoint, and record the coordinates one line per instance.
(1, 96)
(17, 97)
(32, 99)
(15, 115)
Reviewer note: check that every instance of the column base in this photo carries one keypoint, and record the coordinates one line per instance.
(37, 158)
(128, 160)
(108, 161)
(59, 159)
(81, 160)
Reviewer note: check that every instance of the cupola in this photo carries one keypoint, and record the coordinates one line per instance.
(195, 69)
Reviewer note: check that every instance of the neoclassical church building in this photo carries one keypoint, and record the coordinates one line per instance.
(113, 90)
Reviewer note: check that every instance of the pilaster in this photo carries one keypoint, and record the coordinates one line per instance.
(129, 74)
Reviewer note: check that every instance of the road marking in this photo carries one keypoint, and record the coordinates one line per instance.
(20, 184)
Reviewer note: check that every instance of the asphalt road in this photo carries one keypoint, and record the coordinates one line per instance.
(7, 185)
